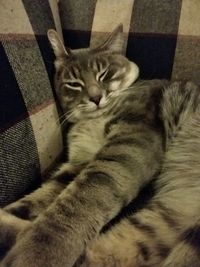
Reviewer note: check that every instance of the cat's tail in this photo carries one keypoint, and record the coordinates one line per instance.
(180, 100)
(186, 253)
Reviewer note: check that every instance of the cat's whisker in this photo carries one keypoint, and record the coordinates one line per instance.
(60, 118)
(83, 107)
(67, 116)
(63, 122)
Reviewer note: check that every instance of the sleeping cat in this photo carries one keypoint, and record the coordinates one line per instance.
(124, 133)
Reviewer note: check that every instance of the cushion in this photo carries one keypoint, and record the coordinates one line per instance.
(162, 37)
(30, 135)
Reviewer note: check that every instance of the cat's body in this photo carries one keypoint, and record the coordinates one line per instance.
(167, 231)
(122, 134)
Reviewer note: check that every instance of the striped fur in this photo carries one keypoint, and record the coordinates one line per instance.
(166, 232)
(114, 150)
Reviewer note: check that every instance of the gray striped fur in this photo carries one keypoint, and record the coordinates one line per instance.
(167, 232)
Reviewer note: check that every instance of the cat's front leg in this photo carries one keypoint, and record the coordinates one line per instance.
(60, 235)
(14, 217)
(30, 206)
(57, 237)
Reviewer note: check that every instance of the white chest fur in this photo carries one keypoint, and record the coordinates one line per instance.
(85, 139)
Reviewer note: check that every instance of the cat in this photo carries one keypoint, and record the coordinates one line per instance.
(124, 133)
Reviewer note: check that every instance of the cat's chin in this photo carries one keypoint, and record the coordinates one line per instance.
(95, 114)
(98, 112)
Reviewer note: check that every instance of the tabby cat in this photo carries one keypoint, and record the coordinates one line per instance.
(124, 133)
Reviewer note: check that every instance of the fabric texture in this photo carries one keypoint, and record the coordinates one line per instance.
(30, 135)
(162, 37)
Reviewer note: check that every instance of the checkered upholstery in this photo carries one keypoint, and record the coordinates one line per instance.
(162, 37)
(30, 136)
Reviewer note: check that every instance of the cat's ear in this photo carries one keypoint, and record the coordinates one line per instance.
(59, 49)
(114, 42)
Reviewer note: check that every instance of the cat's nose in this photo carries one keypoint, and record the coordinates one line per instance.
(96, 99)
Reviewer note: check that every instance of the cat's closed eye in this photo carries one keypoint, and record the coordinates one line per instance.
(101, 76)
(73, 85)
(108, 75)
(70, 92)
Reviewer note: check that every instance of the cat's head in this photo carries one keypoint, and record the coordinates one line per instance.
(87, 81)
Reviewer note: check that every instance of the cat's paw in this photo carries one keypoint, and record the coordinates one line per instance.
(106, 251)
(36, 247)
(96, 259)
(98, 254)
(24, 253)
(10, 226)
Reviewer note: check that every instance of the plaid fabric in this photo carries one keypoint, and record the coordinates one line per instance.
(163, 37)
(30, 136)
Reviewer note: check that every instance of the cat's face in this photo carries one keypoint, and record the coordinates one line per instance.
(87, 81)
